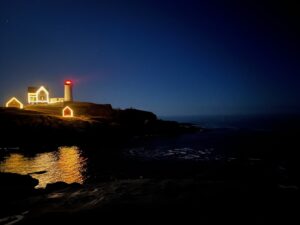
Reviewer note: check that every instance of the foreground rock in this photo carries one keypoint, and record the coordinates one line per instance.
(15, 188)
(234, 193)
(161, 201)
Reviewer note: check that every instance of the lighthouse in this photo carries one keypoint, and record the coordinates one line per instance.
(68, 91)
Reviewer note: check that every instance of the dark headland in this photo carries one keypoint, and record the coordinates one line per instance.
(92, 124)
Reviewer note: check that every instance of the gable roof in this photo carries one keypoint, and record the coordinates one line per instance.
(32, 89)
(42, 88)
(14, 99)
(35, 89)
(70, 110)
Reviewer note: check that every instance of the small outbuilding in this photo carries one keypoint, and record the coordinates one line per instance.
(67, 112)
(14, 103)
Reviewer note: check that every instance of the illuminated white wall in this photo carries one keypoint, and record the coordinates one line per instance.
(56, 100)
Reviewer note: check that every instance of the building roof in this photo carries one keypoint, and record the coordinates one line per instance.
(32, 89)
(14, 100)
(35, 89)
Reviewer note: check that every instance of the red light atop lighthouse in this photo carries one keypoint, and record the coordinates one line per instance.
(68, 82)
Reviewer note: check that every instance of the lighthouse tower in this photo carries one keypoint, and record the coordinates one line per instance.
(68, 91)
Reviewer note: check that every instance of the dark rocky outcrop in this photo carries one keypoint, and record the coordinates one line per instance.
(93, 123)
(15, 185)
(15, 188)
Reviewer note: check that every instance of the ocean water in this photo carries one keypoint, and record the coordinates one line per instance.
(268, 144)
(266, 139)
(65, 164)
(225, 137)
(264, 122)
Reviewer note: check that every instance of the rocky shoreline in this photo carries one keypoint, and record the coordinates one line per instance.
(229, 193)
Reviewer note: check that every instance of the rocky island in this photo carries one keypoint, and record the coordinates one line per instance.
(92, 124)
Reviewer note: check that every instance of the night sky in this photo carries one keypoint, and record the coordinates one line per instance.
(170, 57)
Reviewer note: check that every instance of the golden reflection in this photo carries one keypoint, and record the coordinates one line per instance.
(65, 165)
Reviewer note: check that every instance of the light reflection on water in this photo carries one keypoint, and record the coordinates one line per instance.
(67, 165)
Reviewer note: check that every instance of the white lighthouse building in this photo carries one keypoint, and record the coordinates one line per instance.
(68, 91)
(41, 97)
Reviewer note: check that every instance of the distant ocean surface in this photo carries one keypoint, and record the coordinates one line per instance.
(226, 138)
(267, 122)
